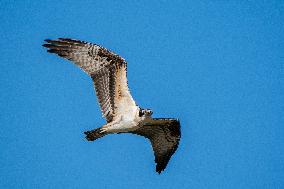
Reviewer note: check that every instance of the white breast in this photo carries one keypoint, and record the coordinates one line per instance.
(127, 118)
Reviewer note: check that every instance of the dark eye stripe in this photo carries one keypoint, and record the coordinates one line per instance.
(141, 113)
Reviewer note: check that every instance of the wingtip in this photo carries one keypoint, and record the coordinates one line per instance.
(159, 171)
(51, 50)
(59, 53)
(46, 45)
(68, 39)
(63, 38)
(160, 167)
(48, 40)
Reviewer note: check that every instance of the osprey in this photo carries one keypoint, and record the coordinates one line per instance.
(108, 72)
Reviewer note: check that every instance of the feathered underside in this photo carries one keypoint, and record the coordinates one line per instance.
(107, 69)
(164, 135)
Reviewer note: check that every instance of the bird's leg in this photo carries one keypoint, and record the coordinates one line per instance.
(100, 132)
(105, 127)
(109, 126)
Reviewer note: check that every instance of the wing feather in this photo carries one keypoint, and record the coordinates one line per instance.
(164, 135)
(107, 69)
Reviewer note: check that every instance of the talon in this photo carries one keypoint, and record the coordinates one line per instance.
(102, 130)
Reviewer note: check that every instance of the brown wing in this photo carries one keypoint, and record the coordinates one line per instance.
(164, 135)
(107, 69)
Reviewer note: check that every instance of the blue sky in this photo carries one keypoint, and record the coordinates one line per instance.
(215, 65)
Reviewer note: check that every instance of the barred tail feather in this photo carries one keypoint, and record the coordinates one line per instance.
(94, 134)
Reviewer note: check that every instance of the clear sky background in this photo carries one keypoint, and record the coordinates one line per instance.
(215, 65)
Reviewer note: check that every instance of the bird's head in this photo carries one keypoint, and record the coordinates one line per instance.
(145, 112)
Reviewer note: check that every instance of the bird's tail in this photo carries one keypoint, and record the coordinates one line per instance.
(94, 134)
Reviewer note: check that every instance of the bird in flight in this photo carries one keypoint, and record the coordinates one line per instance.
(122, 114)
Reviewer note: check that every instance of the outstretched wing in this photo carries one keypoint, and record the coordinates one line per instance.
(107, 69)
(164, 135)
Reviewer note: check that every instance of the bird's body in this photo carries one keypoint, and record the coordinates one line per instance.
(108, 72)
(126, 121)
